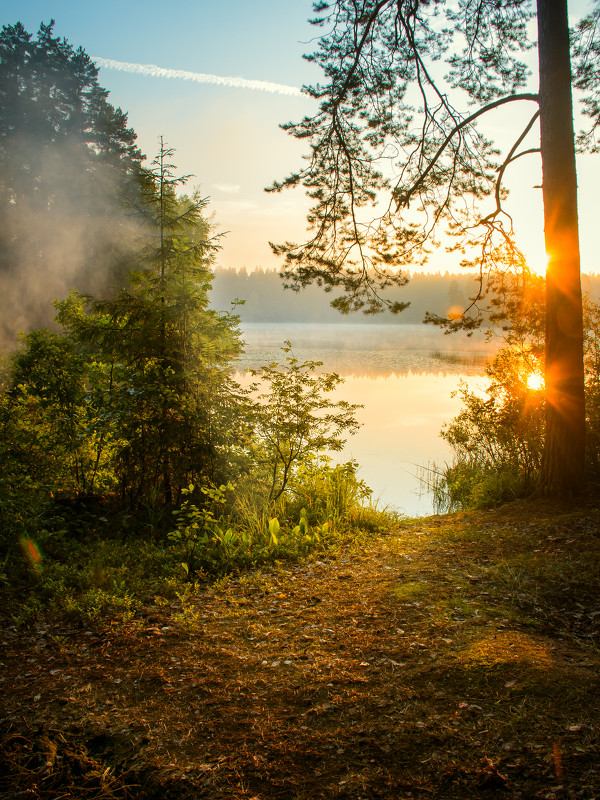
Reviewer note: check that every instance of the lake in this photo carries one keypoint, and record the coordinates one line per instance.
(404, 375)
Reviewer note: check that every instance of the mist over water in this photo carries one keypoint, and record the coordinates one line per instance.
(374, 350)
(405, 376)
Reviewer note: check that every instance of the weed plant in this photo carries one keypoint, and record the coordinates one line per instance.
(323, 507)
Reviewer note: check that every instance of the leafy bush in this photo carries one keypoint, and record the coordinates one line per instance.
(293, 420)
(237, 526)
(498, 437)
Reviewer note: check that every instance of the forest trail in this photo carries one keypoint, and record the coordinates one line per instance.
(455, 655)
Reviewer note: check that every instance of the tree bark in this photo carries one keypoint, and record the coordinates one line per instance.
(563, 467)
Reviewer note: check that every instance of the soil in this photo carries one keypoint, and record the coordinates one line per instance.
(455, 657)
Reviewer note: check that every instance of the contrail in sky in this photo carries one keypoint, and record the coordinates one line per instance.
(199, 77)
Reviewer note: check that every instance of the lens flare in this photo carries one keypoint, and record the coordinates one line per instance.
(455, 312)
(32, 553)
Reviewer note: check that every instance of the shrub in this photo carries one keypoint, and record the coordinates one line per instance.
(498, 437)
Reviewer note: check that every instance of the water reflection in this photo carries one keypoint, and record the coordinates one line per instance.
(404, 376)
(401, 422)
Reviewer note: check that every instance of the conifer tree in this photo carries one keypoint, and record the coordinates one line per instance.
(69, 165)
(168, 354)
(393, 159)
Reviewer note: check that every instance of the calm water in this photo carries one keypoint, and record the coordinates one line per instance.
(404, 375)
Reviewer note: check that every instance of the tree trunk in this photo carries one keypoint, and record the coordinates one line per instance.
(563, 462)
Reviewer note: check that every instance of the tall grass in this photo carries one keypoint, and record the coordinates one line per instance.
(466, 485)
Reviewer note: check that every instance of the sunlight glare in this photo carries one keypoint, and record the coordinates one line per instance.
(535, 381)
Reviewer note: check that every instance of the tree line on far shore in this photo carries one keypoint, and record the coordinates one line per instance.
(261, 290)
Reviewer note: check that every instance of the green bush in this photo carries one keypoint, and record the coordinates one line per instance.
(238, 526)
(498, 437)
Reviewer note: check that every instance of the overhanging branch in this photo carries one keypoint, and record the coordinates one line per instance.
(508, 160)
(404, 198)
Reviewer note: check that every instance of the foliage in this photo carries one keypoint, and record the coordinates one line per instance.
(50, 87)
(392, 156)
(53, 378)
(83, 560)
(396, 153)
(592, 383)
(586, 61)
(205, 540)
(237, 526)
(397, 161)
(294, 419)
(167, 392)
(131, 401)
(42, 421)
(498, 437)
(69, 164)
(127, 425)
(127, 446)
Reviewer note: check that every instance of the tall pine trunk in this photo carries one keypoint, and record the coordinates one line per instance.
(563, 462)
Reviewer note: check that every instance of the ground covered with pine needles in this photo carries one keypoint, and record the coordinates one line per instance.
(454, 657)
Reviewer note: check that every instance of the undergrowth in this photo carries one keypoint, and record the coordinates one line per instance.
(95, 566)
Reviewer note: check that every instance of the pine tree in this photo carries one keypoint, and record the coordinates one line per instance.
(389, 137)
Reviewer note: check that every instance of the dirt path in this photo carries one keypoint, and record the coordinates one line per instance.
(425, 665)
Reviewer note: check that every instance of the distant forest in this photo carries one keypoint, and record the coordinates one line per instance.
(265, 300)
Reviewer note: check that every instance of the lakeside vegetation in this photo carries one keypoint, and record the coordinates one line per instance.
(124, 433)
(499, 436)
(125, 422)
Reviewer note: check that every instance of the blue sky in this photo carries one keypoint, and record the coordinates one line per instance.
(229, 138)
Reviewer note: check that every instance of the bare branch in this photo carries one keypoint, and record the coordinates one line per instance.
(404, 198)
(508, 160)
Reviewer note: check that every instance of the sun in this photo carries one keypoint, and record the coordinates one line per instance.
(535, 381)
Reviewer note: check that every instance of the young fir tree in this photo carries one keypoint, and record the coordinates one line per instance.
(168, 393)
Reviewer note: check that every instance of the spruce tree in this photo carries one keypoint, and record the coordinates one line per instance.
(167, 353)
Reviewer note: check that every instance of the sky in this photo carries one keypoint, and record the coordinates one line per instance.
(226, 132)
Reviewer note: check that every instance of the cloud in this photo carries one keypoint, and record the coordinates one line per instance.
(153, 71)
(228, 188)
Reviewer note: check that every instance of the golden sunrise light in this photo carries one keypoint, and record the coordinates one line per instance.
(535, 381)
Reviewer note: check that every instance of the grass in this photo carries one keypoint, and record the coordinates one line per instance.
(95, 569)
(447, 657)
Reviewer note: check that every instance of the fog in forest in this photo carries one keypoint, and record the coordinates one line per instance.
(70, 234)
